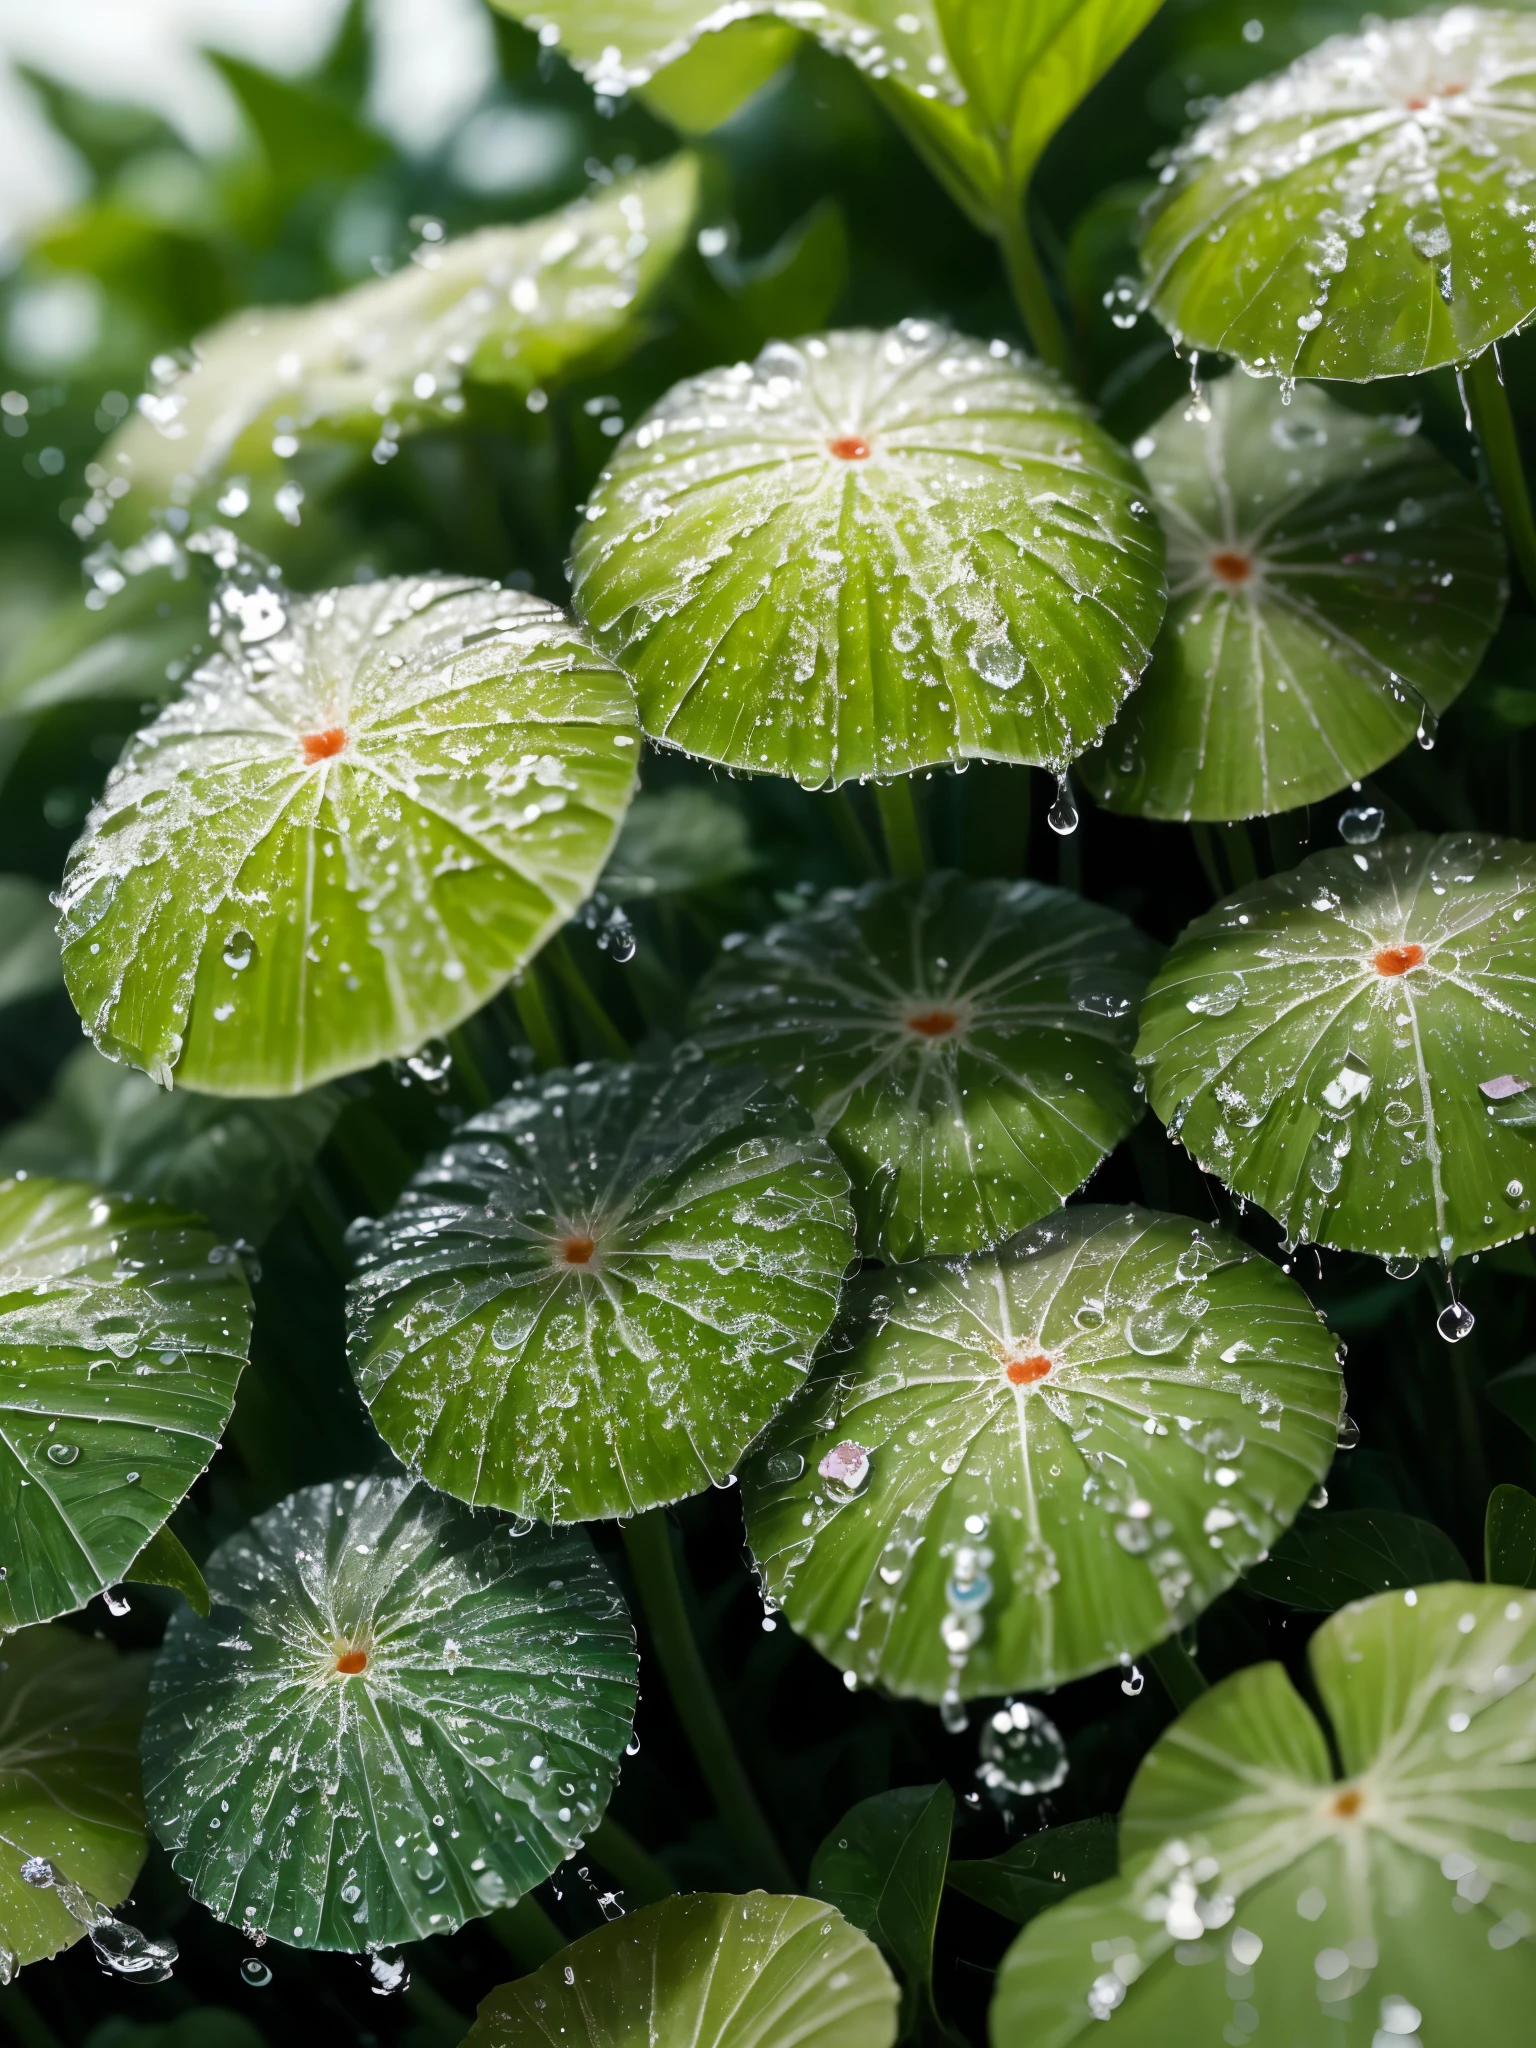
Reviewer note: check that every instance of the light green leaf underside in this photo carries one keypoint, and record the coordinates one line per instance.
(1013, 1535)
(984, 582)
(29, 952)
(712, 1971)
(235, 1162)
(69, 1780)
(1372, 580)
(246, 919)
(123, 1329)
(677, 842)
(715, 1231)
(961, 1132)
(471, 1754)
(515, 306)
(1346, 1100)
(1343, 1911)
(1364, 213)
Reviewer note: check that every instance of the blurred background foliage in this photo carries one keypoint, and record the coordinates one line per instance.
(815, 211)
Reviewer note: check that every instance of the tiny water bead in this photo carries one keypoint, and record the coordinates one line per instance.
(324, 746)
(1388, 960)
(1022, 1753)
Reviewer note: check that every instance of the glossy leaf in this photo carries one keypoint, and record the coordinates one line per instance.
(235, 1162)
(1337, 1043)
(600, 1293)
(346, 834)
(29, 951)
(966, 1045)
(1325, 1561)
(1371, 1908)
(883, 1868)
(70, 1710)
(721, 72)
(677, 842)
(1330, 576)
(713, 1970)
(398, 1716)
(1364, 213)
(1513, 1393)
(1037, 1463)
(1040, 1870)
(509, 306)
(123, 1329)
(165, 1561)
(868, 553)
(1510, 1537)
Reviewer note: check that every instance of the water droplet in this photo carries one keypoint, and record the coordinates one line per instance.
(1362, 824)
(63, 1454)
(1062, 817)
(255, 1972)
(1455, 1321)
(1021, 1751)
(116, 1601)
(432, 1064)
(1401, 1268)
(1133, 1681)
(387, 1972)
(846, 1466)
(953, 1713)
(239, 950)
(1318, 1498)
(1349, 1432)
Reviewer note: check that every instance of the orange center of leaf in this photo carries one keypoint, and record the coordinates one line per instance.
(1231, 566)
(350, 1662)
(576, 1251)
(1397, 959)
(320, 746)
(849, 448)
(1023, 1372)
(933, 1023)
(1348, 1804)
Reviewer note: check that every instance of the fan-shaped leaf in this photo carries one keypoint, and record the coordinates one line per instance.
(600, 1293)
(1369, 1910)
(123, 1328)
(1345, 1043)
(1325, 1561)
(515, 306)
(400, 1715)
(716, 1971)
(1364, 213)
(1330, 576)
(1037, 1463)
(344, 837)
(965, 1044)
(69, 1781)
(871, 552)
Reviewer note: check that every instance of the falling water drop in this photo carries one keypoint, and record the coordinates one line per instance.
(255, 1972)
(1133, 1681)
(1455, 1321)
(1022, 1752)
(952, 1712)
(1062, 816)
(1361, 824)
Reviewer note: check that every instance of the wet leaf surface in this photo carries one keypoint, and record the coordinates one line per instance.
(883, 1868)
(1040, 1870)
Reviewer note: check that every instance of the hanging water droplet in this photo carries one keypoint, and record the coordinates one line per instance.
(1349, 1432)
(1401, 1268)
(116, 1601)
(1361, 824)
(1133, 1681)
(952, 1712)
(1062, 816)
(239, 950)
(1429, 727)
(1455, 1321)
(255, 1972)
(1318, 1498)
(1022, 1753)
(432, 1064)
(387, 1972)
(63, 1454)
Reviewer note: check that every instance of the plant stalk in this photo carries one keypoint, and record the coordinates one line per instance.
(537, 1019)
(851, 836)
(1483, 383)
(1180, 1676)
(648, 1541)
(527, 1933)
(615, 1045)
(902, 829)
(635, 1867)
(1032, 292)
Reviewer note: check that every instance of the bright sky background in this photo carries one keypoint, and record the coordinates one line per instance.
(437, 60)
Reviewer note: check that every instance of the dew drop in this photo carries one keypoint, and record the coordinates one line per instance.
(1455, 1322)
(255, 1972)
(1062, 817)
(1022, 1753)
(239, 950)
(1133, 1681)
(63, 1454)
(1362, 824)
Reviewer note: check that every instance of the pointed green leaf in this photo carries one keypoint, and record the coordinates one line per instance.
(29, 951)
(1509, 1542)
(1039, 1871)
(344, 837)
(600, 1293)
(720, 73)
(70, 1710)
(1364, 213)
(1330, 577)
(305, 136)
(1326, 1560)
(235, 1162)
(399, 1716)
(1252, 1881)
(712, 1970)
(165, 1561)
(1037, 1463)
(1342, 1044)
(883, 1868)
(123, 1328)
(966, 1046)
(872, 552)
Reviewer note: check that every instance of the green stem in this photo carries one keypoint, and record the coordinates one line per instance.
(636, 1868)
(527, 1933)
(1032, 291)
(537, 1019)
(1483, 382)
(324, 1225)
(579, 989)
(468, 1067)
(901, 828)
(851, 835)
(1205, 846)
(1181, 1677)
(1239, 852)
(648, 1541)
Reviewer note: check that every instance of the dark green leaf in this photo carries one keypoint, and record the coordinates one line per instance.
(1041, 1870)
(883, 1868)
(1513, 1393)
(678, 842)
(29, 950)
(306, 136)
(1327, 1560)
(1509, 1539)
(166, 1561)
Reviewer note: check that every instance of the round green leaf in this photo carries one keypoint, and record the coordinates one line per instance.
(400, 1715)
(966, 1045)
(1364, 213)
(867, 552)
(1331, 577)
(1385, 1908)
(1037, 1463)
(345, 836)
(123, 1328)
(712, 1970)
(1343, 1044)
(69, 1782)
(597, 1296)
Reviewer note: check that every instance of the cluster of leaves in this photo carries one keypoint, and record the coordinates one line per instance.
(594, 1042)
